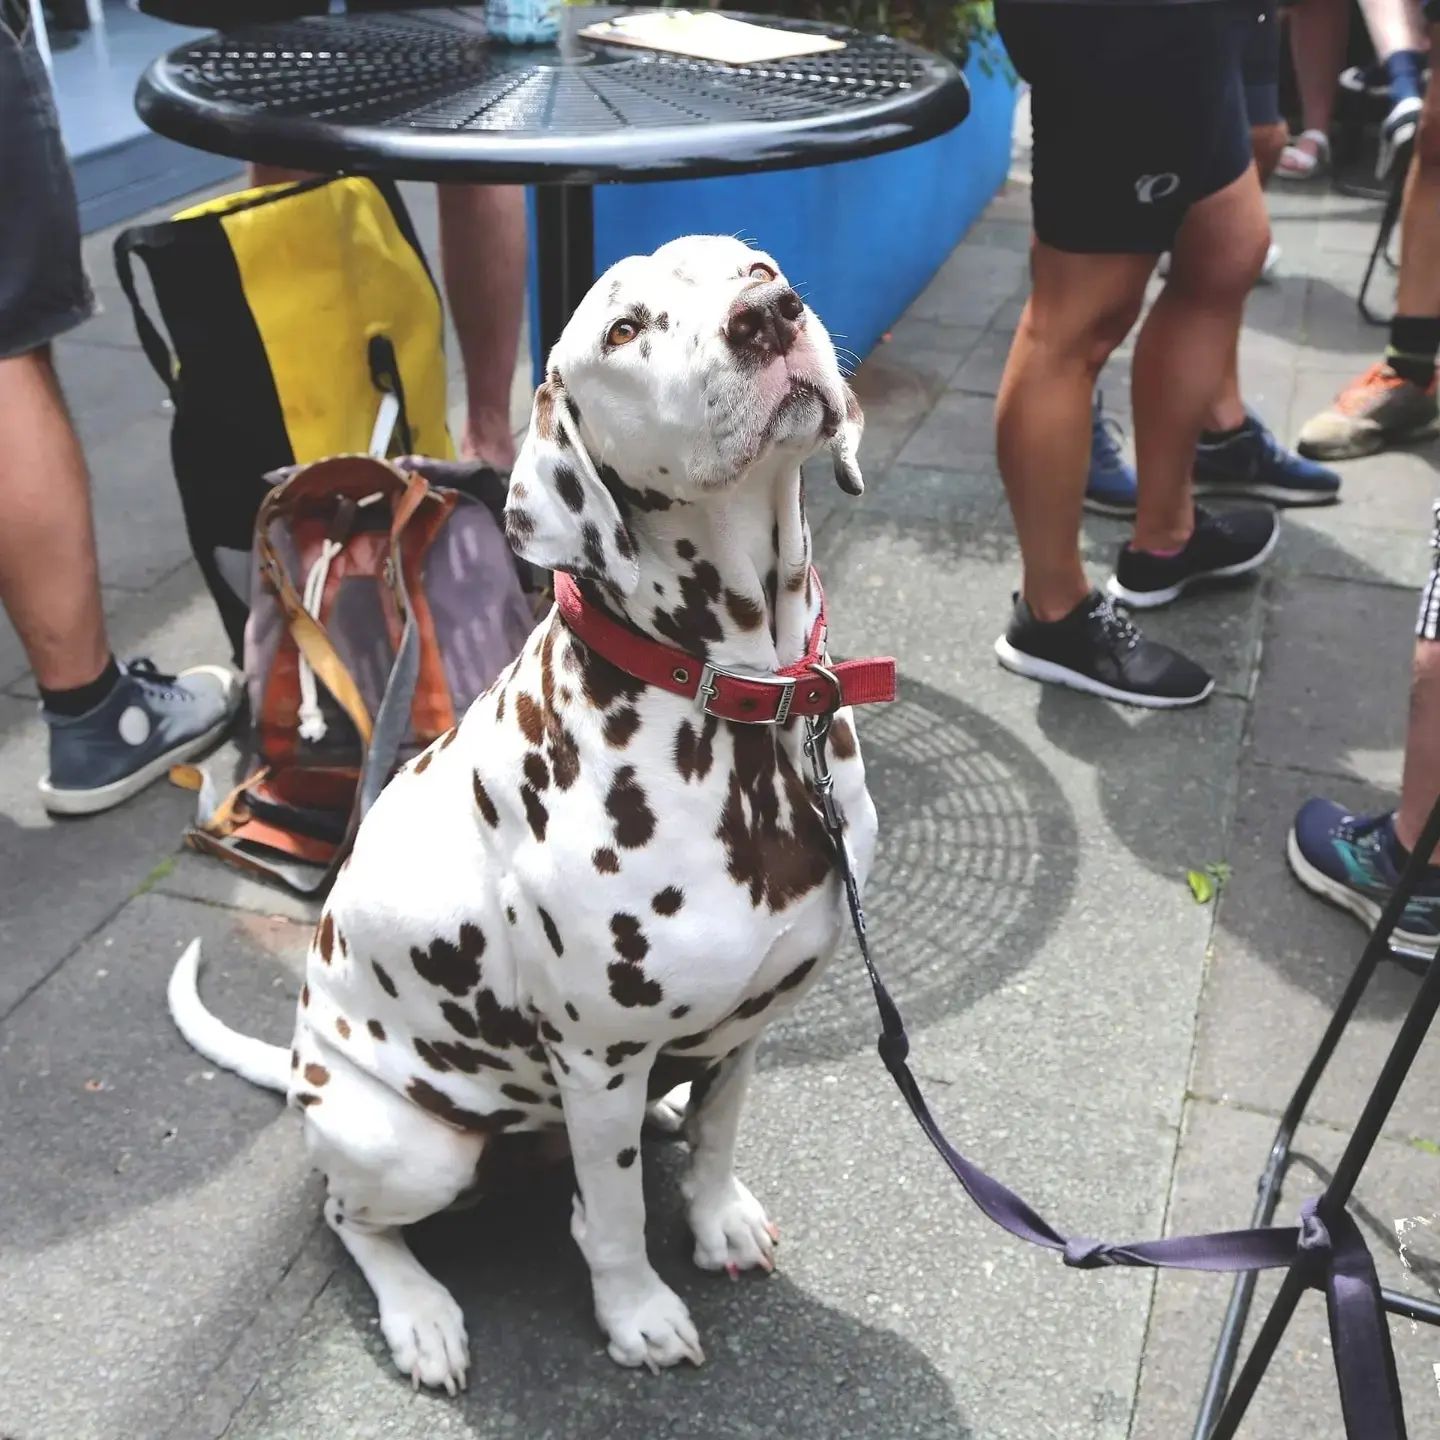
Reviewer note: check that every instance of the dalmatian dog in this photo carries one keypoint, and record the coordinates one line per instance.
(592, 891)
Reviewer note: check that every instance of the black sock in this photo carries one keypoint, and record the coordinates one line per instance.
(83, 697)
(1414, 341)
(1219, 437)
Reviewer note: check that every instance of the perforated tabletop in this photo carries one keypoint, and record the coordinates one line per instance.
(423, 94)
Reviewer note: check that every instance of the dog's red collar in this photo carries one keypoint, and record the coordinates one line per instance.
(808, 687)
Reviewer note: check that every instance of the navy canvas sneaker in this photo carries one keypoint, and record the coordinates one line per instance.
(1224, 545)
(1252, 464)
(1354, 862)
(1095, 648)
(146, 724)
(1110, 488)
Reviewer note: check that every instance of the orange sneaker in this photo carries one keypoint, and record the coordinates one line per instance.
(1370, 414)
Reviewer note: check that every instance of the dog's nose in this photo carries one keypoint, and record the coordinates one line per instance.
(765, 320)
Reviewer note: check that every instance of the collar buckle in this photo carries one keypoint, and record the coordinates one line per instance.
(709, 691)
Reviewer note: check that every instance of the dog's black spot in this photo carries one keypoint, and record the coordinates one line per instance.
(536, 771)
(606, 861)
(460, 1019)
(594, 548)
(622, 1050)
(620, 727)
(483, 802)
(668, 901)
(567, 482)
(501, 1025)
(453, 966)
(551, 933)
(797, 975)
(376, 1029)
(626, 1158)
(386, 983)
(615, 1081)
(520, 1094)
(550, 1033)
(679, 1012)
(630, 941)
(510, 914)
(326, 936)
(629, 985)
(571, 1011)
(685, 549)
(629, 809)
(440, 1104)
(535, 811)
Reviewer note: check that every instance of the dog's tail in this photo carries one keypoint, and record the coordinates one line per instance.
(252, 1060)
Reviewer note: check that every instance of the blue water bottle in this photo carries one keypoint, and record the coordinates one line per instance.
(522, 22)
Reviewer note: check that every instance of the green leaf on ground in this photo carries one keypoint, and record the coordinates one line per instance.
(1428, 1146)
(1201, 886)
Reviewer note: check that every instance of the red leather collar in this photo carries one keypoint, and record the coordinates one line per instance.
(808, 687)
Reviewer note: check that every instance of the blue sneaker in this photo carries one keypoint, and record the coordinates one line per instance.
(146, 724)
(1252, 464)
(1351, 861)
(1110, 490)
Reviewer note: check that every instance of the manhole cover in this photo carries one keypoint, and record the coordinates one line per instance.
(974, 867)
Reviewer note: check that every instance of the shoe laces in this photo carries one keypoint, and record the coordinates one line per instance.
(1114, 624)
(153, 678)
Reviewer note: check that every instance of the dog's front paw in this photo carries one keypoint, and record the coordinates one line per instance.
(732, 1230)
(646, 1321)
(426, 1333)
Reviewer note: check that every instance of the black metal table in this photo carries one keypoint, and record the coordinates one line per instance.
(423, 94)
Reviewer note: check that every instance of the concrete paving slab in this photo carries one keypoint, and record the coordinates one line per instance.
(926, 1325)
(1224, 1151)
(1280, 959)
(151, 1205)
(1324, 640)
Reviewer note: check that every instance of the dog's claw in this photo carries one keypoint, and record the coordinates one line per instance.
(774, 1230)
(732, 1270)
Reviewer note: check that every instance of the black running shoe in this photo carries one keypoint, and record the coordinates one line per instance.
(1233, 542)
(1095, 648)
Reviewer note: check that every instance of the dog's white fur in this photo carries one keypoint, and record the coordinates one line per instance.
(591, 887)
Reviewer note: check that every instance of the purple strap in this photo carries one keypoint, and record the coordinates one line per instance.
(1332, 1248)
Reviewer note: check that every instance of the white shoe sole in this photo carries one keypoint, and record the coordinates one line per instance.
(106, 797)
(1280, 495)
(1048, 672)
(1364, 909)
(1153, 599)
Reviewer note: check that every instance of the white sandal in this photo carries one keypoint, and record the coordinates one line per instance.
(1298, 164)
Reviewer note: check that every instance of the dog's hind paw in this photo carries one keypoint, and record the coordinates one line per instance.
(732, 1231)
(426, 1334)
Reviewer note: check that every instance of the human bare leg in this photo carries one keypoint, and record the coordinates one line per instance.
(1081, 307)
(482, 250)
(49, 574)
(1185, 348)
(1319, 33)
(1420, 783)
(1394, 402)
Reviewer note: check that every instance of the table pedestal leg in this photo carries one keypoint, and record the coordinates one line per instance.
(565, 255)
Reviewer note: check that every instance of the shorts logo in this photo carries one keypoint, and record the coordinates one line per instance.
(1150, 188)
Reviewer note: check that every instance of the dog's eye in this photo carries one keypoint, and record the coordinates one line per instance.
(760, 271)
(622, 332)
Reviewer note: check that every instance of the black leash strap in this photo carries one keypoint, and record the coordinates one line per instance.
(1330, 1247)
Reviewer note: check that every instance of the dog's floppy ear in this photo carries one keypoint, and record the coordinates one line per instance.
(845, 447)
(558, 515)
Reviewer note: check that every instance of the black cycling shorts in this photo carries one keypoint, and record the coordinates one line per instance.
(1138, 113)
(1260, 68)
